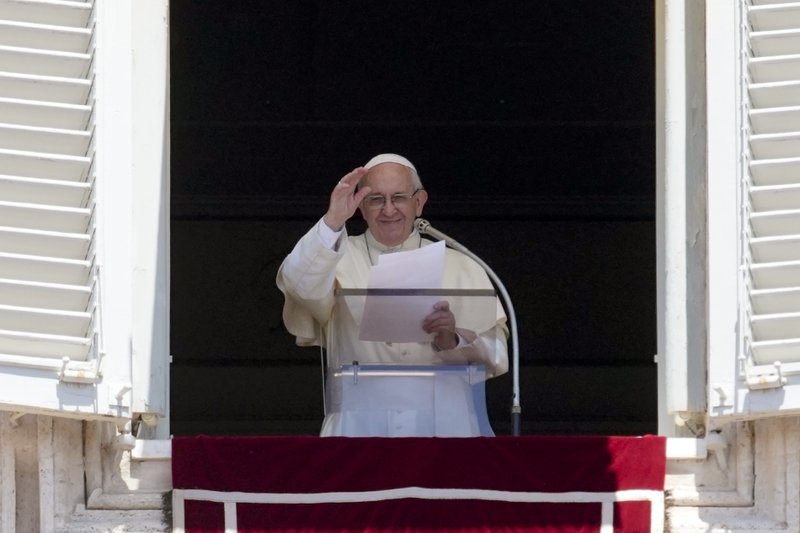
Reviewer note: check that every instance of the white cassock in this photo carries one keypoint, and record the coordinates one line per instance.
(389, 406)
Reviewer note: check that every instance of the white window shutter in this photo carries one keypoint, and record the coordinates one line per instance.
(65, 204)
(758, 373)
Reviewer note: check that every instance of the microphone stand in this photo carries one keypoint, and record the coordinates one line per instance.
(423, 226)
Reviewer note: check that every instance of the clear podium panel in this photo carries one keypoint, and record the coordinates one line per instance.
(385, 327)
(406, 401)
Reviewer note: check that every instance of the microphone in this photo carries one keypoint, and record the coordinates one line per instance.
(424, 227)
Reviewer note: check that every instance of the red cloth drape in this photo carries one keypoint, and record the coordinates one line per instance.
(532, 484)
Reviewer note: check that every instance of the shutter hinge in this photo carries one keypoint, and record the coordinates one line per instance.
(78, 373)
(765, 377)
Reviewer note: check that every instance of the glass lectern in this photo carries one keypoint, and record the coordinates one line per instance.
(386, 377)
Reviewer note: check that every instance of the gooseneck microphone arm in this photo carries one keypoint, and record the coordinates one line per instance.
(423, 226)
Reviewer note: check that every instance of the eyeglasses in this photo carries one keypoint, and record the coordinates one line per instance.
(399, 200)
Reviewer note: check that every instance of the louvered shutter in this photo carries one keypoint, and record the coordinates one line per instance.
(762, 374)
(51, 334)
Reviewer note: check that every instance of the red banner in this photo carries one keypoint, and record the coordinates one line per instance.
(531, 484)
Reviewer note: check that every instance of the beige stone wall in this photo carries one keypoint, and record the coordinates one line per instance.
(749, 480)
(64, 475)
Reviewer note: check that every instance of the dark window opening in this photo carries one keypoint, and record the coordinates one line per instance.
(532, 126)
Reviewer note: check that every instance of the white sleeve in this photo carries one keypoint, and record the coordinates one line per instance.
(329, 237)
(307, 277)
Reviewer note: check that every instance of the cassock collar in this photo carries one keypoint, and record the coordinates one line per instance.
(413, 242)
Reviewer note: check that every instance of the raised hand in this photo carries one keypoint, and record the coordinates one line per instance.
(442, 322)
(345, 199)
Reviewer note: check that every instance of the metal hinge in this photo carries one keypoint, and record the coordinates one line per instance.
(765, 377)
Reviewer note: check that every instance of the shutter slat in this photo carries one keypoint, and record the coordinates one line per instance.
(773, 223)
(775, 171)
(775, 119)
(775, 68)
(775, 249)
(777, 94)
(783, 300)
(44, 62)
(775, 16)
(44, 191)
(46, 200)
(45, 217)
(16, 343)
(74, 14)
(21, 241)
(45, 140)
(776, 326)
(775, 42)
(44, 36)
(767, 352)
(775, 197)
(775, 145)
(47, 166)
(783, 274)
(48, 321)
(44, 269)
(771, 2)
(44, 295)
(53, 89)
(44, 114)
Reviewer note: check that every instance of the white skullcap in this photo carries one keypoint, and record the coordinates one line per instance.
(389, 158)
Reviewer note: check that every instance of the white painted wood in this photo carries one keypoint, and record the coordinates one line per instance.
(673, 192)
(724, 165)
(753, 211)
(681, 230)
(774, 209)
(666, 425)
(151, 152)
(47, 264)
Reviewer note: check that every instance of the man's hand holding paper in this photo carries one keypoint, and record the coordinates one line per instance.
(403, 317)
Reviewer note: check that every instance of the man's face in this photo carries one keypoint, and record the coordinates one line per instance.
(391, 224)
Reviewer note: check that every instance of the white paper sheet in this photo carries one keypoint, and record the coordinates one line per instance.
(399, 318)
